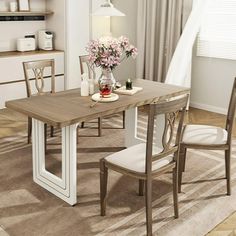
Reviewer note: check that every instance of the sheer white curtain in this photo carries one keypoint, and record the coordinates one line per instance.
(179, 72)
(159, 29)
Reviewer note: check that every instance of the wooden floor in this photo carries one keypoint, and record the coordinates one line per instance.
(226, 228)
(11, 123)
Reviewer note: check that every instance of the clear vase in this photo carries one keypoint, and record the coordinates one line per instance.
(106, 83)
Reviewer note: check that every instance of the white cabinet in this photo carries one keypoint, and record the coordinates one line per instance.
(12, 84)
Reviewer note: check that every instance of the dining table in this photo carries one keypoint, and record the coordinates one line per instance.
(66, 110)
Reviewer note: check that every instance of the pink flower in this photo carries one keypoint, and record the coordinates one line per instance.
(109, 52)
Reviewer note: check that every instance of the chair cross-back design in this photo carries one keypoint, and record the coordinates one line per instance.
(210, 138)
(145, 161)
(38, 72)
(170, 139)
(167, 137)
(37, 69)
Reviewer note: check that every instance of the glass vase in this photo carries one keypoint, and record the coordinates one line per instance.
(106, 83)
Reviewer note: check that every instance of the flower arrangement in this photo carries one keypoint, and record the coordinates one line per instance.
(109, 52)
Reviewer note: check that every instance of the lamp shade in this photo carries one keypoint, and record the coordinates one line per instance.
(107, 9)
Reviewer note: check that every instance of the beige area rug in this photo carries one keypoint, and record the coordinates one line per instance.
(27, 209)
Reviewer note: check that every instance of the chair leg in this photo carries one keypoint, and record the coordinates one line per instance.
(99, 126)
(103, 186)
(45, 139)
(51, 131)
(29, 130)
(77, 135)
(141, 187)
(227, 170)
(181, 166)
(184, 152)
(123, 119)
(175, 192)
(148, 195)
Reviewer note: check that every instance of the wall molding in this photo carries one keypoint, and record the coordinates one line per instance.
(207, 107)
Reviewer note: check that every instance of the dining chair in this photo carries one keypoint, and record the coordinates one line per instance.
(86, 68)
(146, 161)
(35, 70)
(208, 137)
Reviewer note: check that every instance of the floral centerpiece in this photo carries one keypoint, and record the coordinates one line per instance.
(107, 53)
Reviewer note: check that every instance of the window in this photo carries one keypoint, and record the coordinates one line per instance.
(217, 37)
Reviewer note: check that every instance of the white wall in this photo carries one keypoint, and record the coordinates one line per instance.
(127, 26)
(212, 81)
(10, 30)
(77, 37)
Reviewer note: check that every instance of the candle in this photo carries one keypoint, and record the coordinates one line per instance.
(129, 84)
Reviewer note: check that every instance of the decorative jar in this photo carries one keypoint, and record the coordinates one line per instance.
(106, 83)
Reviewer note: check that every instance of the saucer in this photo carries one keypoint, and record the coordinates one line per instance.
(112, 98)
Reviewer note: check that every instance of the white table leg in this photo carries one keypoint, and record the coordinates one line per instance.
(65, 187)
(131, 123)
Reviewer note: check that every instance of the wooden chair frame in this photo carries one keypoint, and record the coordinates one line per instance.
(170, 109)
(38, 68)
(84, 60)
(224, 147)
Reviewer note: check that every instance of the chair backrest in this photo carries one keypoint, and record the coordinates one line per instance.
(85, 67)
(173, 112)
(38, 69)
(231, 113)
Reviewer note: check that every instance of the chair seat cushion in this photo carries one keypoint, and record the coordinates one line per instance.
(204, 135)
(133, 158)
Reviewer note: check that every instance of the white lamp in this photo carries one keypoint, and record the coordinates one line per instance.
(107, 9)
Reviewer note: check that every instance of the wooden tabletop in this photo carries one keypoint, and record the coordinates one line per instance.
(68, 107)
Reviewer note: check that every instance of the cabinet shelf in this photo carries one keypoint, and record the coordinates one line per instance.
(24, 16)
(26, 13)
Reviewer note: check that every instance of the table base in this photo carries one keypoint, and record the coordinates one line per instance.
(65, 187)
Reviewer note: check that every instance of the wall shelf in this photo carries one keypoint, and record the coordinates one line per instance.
(24, 16)
(26, 13)
(30, 53)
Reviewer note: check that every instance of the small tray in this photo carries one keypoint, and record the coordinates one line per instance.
(97, 98)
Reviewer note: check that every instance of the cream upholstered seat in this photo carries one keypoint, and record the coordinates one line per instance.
(134, 158)
(204, 134)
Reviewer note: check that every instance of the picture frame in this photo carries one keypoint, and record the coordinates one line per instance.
(23, 5)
